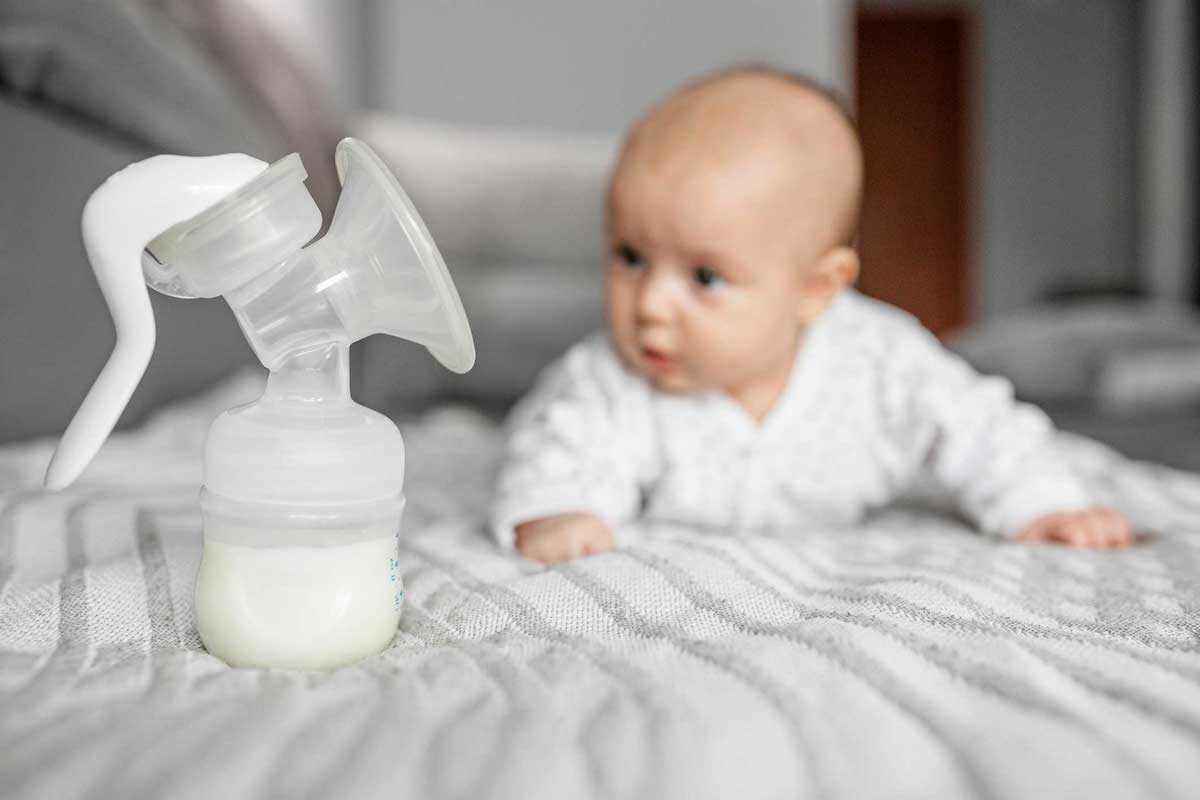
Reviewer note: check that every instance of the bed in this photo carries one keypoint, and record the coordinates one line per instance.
(906, 657)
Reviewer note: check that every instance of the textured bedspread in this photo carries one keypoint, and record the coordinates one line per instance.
(907, 657)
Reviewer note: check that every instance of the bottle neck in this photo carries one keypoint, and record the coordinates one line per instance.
(290, 308)
(318, 375)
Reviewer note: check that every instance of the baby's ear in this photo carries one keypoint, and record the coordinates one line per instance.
(833, 272)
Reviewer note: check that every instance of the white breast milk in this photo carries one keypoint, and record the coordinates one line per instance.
(302, 607)
(294, 585)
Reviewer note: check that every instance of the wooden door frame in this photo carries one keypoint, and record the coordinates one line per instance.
(944, 184)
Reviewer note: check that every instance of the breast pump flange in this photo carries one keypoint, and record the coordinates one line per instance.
(303, 488)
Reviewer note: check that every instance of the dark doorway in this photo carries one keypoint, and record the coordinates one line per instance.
(913, 92)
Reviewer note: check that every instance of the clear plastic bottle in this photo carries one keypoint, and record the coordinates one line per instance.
(301, 506)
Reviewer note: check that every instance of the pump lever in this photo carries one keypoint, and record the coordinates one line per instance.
(120, 218)
(129, 303)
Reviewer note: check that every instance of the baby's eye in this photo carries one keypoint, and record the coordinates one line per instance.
(707, 278)
(629, 256)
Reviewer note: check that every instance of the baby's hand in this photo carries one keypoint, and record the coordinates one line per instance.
(562, 537)
(1097, 528)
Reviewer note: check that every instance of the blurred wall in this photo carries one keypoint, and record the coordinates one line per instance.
(589, 66)
(1169, 99)
(1057, 116)
(1057, 137)
(1056, 127)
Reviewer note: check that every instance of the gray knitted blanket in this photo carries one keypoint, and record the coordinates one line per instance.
(907, 657)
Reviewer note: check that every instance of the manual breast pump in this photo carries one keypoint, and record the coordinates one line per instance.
(303, 488)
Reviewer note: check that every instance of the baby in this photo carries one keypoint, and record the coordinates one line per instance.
(741, 382)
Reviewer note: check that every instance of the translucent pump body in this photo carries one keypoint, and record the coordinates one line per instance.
(303, 488)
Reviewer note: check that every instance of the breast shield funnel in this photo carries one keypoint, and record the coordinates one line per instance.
(395, 279)
(377, 270)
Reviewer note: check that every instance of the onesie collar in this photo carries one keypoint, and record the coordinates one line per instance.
(811, 359)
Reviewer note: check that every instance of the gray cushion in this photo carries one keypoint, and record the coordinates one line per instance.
(519, 217)
(522, 317)
(124, 69)
(494, 195)
(88, 88)
(1080, 353)
(55, 330)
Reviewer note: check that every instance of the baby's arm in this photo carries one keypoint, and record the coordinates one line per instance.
(563, 537)
(1099, 528)
(997, 455)
(570, 469)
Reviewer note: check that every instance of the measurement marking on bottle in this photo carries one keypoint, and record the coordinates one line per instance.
(394, 567)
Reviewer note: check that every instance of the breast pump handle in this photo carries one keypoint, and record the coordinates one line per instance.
(119, 219)
(129, 304)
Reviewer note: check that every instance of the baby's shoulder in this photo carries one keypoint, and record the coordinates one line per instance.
(877, 331)
(592, 365)
(596, 355)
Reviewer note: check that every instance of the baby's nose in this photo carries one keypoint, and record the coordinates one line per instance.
(654, 299)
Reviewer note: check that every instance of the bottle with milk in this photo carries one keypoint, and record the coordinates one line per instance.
(303, 488)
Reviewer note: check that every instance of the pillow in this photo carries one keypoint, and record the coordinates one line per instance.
(1146, 380)
(492, 195)
(55, 330)
(126, 70)
(522, 317)
(519, 218)
(1079, 353)
(88, 88)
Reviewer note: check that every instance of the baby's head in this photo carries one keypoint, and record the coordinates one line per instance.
(730, 216)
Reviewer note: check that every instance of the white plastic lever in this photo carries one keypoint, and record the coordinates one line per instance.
(121, 217)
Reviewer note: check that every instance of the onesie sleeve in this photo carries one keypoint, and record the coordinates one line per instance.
(574, 443)
(996, 455)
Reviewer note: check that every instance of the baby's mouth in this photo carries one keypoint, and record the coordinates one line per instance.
(657, 360)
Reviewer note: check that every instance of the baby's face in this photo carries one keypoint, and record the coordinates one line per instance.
(709, 272)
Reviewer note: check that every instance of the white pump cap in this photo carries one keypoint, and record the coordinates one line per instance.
(391, 277)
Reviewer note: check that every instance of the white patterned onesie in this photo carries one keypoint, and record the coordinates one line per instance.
(873, 402)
